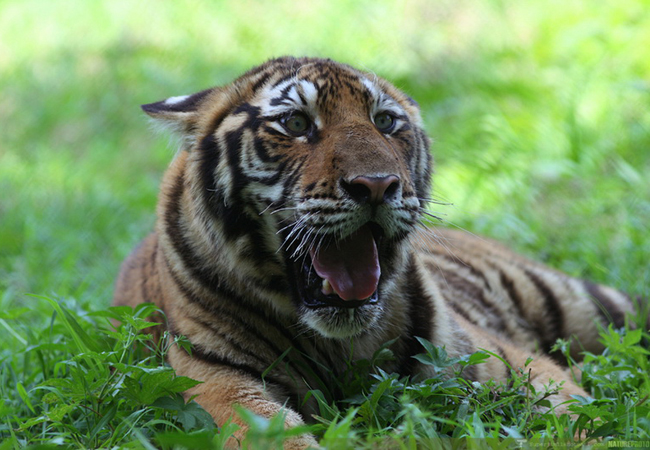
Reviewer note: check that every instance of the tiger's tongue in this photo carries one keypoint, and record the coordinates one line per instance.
(351, 266)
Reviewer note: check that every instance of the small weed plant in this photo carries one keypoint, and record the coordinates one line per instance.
(80, 381)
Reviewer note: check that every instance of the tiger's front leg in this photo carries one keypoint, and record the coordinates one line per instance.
(224, 387)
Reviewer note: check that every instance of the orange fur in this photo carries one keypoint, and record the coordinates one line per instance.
(247, 200)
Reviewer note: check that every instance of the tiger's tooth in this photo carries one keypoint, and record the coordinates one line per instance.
(326, 288)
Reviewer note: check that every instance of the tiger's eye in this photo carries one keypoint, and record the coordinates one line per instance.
(297, 123)
(384, 122)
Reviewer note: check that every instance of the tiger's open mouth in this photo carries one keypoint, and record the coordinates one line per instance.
(343, 273)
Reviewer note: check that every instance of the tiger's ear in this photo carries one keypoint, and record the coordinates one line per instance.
(179, 114)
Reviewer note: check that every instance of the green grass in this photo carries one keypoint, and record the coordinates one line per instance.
(541, 126)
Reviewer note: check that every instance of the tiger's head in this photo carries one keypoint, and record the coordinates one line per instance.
(302, 181)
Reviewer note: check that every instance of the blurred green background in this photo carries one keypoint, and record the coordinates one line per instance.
(539, 111)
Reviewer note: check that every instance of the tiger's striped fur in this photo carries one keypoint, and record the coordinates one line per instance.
(255, 198)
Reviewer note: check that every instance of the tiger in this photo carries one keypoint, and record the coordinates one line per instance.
(292, 220)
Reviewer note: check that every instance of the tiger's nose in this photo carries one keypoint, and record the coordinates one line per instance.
(372, 190)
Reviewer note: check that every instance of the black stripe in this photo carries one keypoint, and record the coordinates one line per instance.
(277, 134)
(366, 96)
(230, 212)
(295, 171)
(277, 284)
(175, 231)
(463, 289)
(233, 140)
(283, 98)
(346, 79)
(253, 112)
(310, 187)
(513, 293)
(456, 260)
(459, 283)
(214, 359)
(260, 82)
(262, 153)
(423, 180)
(211, 155)
(462, 313)
(537, 323)
(173, 228)
(283, 79)
(265, 69)
(406, 139)
(269, 180)
(215, 123)
(302, 97)
(551, 326)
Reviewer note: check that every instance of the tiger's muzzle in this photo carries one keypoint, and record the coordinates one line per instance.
(346, 272)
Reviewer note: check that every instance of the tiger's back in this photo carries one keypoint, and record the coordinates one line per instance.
(288, 226)
(519, 299)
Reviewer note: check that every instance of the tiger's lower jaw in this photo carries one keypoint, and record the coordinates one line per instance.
(341, 322)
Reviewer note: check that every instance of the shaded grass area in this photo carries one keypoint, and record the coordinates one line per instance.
(539, 114)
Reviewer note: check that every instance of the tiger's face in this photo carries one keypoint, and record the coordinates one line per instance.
(317, 171)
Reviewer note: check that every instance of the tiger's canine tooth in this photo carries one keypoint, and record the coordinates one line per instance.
(326, 288)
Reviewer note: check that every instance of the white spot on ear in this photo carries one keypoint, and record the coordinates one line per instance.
(176, 100)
